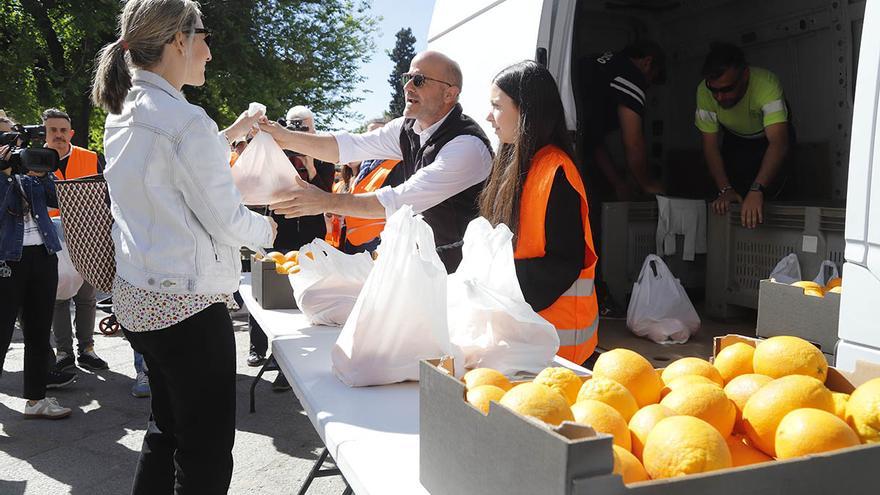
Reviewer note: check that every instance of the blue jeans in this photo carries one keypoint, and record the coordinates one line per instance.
(139, 364)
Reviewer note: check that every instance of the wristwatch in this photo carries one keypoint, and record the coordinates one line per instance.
(757, 186)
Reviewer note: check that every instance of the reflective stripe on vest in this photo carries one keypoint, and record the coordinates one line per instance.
(576, 313)
(80, 163)
(363, 230)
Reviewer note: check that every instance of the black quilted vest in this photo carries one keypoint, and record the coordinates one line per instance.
(450, 218)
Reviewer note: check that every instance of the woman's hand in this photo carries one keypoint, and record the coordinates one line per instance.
(242, 125)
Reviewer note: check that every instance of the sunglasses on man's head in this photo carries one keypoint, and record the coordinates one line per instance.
(418, 80)
(206, 32)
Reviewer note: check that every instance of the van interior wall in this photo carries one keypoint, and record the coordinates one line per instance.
(811, 45)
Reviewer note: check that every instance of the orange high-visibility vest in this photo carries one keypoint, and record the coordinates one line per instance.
(576, 313)
(334, 233)
(81, 163)
(363, 230)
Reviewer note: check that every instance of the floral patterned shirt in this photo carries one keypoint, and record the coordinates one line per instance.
(141, 310)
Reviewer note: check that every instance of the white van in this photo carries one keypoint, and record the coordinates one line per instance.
(814, 46)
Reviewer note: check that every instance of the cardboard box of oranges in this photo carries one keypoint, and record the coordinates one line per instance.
(763, 417)
(271, 287)
(803, 309)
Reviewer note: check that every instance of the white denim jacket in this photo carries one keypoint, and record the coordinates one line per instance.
(178, 217)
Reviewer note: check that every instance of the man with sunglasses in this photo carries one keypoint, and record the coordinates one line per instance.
(744, 119)
(446, 159)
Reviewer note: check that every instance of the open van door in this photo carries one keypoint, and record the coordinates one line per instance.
(485, 36)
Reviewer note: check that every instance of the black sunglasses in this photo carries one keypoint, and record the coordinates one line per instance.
(206, 32)
(726, 89)
(418, 80)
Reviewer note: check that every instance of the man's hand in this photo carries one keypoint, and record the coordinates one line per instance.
(306, 201)
(278, 132)
(721, 205)
(653, 187)
(753, 209)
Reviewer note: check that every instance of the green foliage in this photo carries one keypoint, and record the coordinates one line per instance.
(402, 55)
(278, 52)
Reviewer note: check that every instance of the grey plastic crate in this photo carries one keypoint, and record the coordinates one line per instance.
(629, 234)
(740, 258)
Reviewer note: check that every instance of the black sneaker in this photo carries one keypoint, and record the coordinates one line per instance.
(609, 309)
(58, 379)
(90, 361)
(280, 384)
(64, 363)
(255, 359)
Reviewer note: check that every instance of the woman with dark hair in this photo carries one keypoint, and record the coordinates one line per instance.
(536, 189)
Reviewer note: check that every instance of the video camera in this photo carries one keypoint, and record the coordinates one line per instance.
(22, 157)
(293, 125)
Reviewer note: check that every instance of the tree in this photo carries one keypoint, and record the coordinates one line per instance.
(402, 55)
(278, 52)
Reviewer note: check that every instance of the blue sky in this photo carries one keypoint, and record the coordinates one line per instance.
(415, 14)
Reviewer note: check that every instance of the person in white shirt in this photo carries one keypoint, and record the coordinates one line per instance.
(446, 158)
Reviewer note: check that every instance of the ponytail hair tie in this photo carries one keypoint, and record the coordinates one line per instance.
(123, 43)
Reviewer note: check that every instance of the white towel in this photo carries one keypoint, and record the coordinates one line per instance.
(685, 217)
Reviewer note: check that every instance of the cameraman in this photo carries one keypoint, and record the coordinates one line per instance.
(74, 162)
(29, 279)
(293, 233)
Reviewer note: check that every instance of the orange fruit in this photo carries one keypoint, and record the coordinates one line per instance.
(610, 392)
(863, 411)
(706, 402)
(686, 381)
(786, 355)
(538, 401)
(627, 466)
(291, 255)
(833, 283)
(744, 454)
(276, 257)
(807, 285)
(485, 376)
(740, 389)
(562, 380)
(812, 431)
(643, 422)
(604, 418)
(840, 401)
(633, 371)
(692, 366)
(734, 360)
(766, 407)
(481, 396)
(683, 445)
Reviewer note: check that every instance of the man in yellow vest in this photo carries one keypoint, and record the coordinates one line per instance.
(74, 162)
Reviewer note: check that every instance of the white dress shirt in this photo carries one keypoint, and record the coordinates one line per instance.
(462, 162)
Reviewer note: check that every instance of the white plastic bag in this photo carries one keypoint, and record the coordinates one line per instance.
(787, 271)
(489, 319)
(327, 286)
(660, 308)
(69, 280)
(400, 315)
(263, 173)
(827, 272)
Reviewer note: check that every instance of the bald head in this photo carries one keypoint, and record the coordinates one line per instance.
(440, 64)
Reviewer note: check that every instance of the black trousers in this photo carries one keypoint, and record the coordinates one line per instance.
(191, 431)
(30, 291)
(259, 341)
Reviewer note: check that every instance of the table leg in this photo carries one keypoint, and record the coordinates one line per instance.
(269, 365)
(317, 472)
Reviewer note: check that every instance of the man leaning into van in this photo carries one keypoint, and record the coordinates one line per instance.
(744, 119)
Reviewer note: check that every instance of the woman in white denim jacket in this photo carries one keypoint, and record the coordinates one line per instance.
(178, 227)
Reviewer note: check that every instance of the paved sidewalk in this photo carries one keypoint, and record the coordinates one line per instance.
(95, 451)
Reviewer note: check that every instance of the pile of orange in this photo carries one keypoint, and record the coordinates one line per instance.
(285, 263)
(813, 289)
(752, 404)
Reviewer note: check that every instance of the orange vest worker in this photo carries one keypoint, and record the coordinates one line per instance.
(576, 313)
(334, 233)
(81, 163)
(363, 230)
